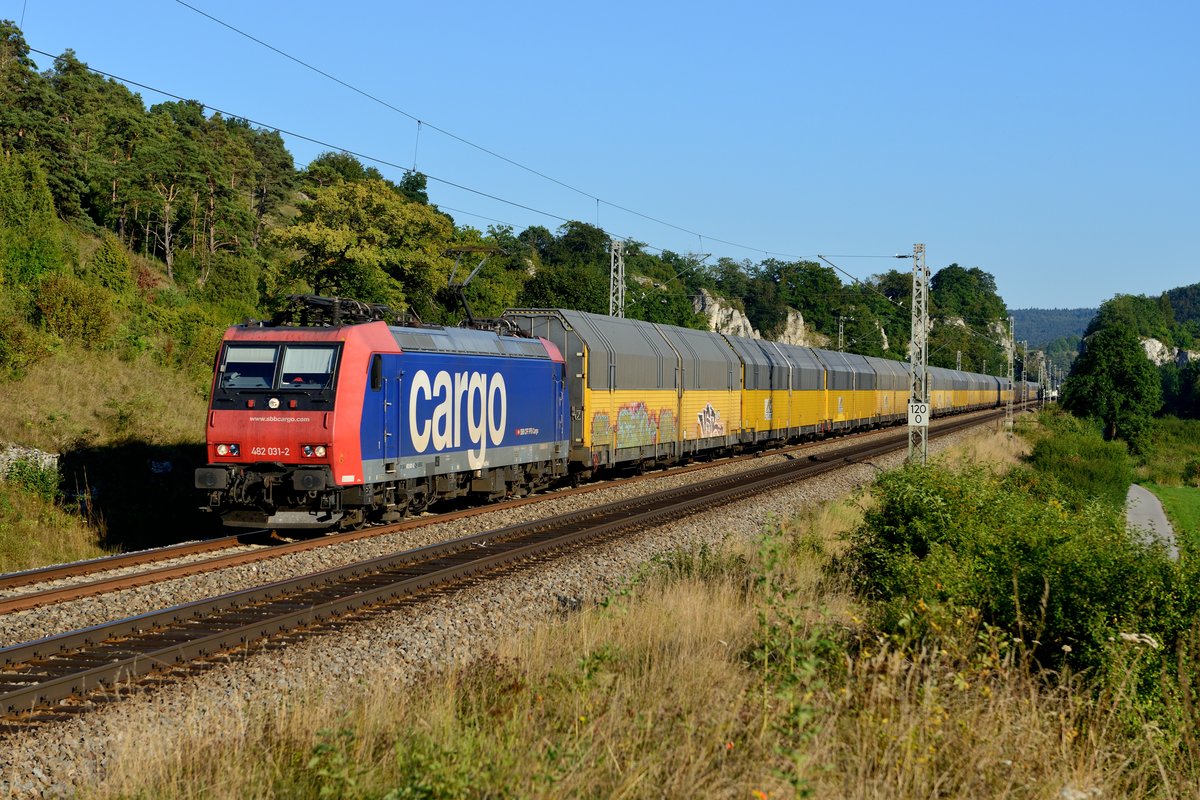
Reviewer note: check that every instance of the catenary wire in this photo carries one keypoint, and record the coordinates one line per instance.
(454, 184)
(421, 122)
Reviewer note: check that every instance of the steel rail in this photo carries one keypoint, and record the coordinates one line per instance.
(43, 597)
(42, 672)
(13, 580)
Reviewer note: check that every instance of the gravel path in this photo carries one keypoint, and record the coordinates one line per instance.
(1146, 520)
(452, 627)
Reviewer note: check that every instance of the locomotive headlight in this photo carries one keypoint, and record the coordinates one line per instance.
(234, 450)
(222, 449)
(319, 450)
(311, 450)
(308, 450)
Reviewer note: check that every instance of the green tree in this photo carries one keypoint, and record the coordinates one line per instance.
(273, 180)
(969, 294)
(810, 288)
(329, 168)
(30, 242)
(412, 186)
(1144, 316)
(1112, 381)
(364, 240)
(582, 287)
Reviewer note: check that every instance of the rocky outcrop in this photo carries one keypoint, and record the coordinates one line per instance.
(12, 453)
(1160, 353)
(722, 317)
(796, 332)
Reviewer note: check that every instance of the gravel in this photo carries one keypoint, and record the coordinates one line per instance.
(451, 627)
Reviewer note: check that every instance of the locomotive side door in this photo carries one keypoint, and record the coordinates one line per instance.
(560, 422)
(383, 414)
(391, 421)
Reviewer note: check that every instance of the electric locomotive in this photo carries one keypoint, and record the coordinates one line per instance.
(345, 419)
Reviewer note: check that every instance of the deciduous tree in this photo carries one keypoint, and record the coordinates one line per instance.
(1113, 381)
(366, 241)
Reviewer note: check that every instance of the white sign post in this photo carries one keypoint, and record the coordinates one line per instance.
(918, 415)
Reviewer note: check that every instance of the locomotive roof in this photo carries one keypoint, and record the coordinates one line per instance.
(467, 340)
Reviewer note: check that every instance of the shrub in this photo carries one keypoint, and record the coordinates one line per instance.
(110, 266)
(34, 477)
(232, 280)
(1191, 472)
(76, 312)
(1076, 455)
(20, 343)
(942, 547)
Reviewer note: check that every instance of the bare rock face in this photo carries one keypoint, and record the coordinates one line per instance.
(722, 317)
(1158, 352)
(12, 453)
(796, 332)
(1161, 353)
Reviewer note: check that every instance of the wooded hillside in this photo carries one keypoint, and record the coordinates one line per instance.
(138, 229)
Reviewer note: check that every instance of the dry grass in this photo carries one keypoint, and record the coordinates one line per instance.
(87, 406)
(648, 700)
(992, 446)
(88, 398)
(34, 533)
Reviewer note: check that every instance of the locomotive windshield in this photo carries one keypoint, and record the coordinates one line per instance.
(262, 367)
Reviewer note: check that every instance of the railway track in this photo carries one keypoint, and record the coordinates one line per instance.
(264, 547)
(44, 680)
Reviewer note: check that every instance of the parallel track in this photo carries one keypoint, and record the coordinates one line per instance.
(36, 675)
(271, 548)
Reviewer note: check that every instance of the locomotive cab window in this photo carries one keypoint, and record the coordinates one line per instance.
(248, 367)
(276, 366)
(307, 368)
(376, 372)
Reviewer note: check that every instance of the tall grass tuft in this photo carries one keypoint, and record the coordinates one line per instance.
(35, 532)
(1076, 455)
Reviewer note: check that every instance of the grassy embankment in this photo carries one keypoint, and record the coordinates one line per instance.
(115, 421)
(956, 632)
(106, 363)
(1172, 471)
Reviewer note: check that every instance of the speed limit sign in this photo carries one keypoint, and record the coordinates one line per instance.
(918, 414)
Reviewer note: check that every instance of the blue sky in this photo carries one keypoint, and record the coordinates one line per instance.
(1054, 145)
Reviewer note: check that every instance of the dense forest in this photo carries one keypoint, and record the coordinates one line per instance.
(1041, 326)
(140, 229)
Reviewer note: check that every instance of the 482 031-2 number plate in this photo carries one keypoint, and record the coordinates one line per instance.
(270, 451)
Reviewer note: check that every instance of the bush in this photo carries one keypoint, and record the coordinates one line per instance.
(110, 266)
(20, 343)
(1191, 472)
(942, 547)
(76, 312)
(1076, 455)
(233, 281)
(34, 477)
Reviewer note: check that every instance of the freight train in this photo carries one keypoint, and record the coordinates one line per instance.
(345, 419)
